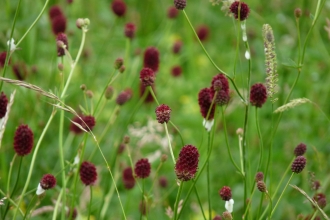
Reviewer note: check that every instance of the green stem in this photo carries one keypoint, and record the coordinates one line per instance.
(177, 129)
(199, 201)
(153, 95)
(60, 145)
(177, 200)
(271, 205)
(260, 139)
(142, 200)
(155, 177)
(90, 202)
(12, 202)
(58, 202)
(169, 143)
(244, 153)
(208, 176)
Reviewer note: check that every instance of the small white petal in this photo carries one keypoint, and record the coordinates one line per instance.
(12, 44)
(76, 160)
(243, 26)
(229, 205)
(247, 55)
(244, 37)
(40, 190)
(208, 124)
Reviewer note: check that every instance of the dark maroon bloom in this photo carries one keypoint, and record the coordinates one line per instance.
(258, 95)
(202, 32)
(142, 168)
(87, 123)
(72, 214)
(320, 199)
(128, 178)
(300, 149)
(147, 76)
(118, 7)
(58, 24)
(217, 217)
(316, 185)
(225, 193)
(176, 71)
(261, 186)
(298, 164)
(163, 182)
(172, 12)
(163, 113)
(48, 181)
(55, 11)
(205, 101)
(88, 174)
(242, 13)
(3, 58)
(220, 82)
(180, 4)
(259, 176)
(3, 104)
(222, 98)
(177, 47)
(23, 140)
(124, 96)
(130, 30)
(151, 58)
(149, 97)
(20, 70)
(187, 164)
(61, 40)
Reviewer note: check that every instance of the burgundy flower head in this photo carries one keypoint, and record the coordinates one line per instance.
(61, 40)
(177, 47)
(23, 140)
(88, 125)
(243, 12)
(128, 179)
(320, 199)
(149, 98)
(202, 32)
(124, 96)
(130, 29)
(220, 82)
(298, 164)
(222, 98)
(300, 149)
(259, 176)
(172, 12)
(316, 184)
(88, 174)
(176, 71)
(258, 95)
(118, 7)
(151, 58)
(48, 181)
(163, 182)
(163, 113)
(205, 101)
(142, 168)
(180, 4)
(147, 76)
(217, 217)
(55, 11)
(261, 186)
(58, 24)
(187, 164)
(72, 214)
(3, 104)
(3, 58)
(225, 193)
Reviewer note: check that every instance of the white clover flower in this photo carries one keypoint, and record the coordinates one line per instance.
(12, 44)
(229, 205)
(208, 124)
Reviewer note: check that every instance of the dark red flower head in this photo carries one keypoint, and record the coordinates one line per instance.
(118, 7)
(298, 164)
(243, 11)
(130, 29)
(258, 95)
(205, 101)
(163, 182)
(187, 164)
(177, 47)
(320, 199)
(220, 82)
(202, 32)
(222, 98)
(3, 58)
(58, 24)
(259, 176)
(163, 113)
(48, 181)
(128, 179)
(217, 217)
(151, 58)
(225, 193)
(61, 41)
(23, 140)
(3, 104)
(300, 149)
(176, 71)
(316, 184)
(88, 174)
(172, 12)
(147, 76)
(54, 11)
(72, 214)
(261, 186)
(88, 125)
(142, 168)
(180, 4)
(124, 96)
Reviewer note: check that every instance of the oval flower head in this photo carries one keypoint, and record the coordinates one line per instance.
(187, 163)
(48, 181)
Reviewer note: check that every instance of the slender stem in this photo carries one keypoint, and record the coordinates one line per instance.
(244, 153)
(10, 172)
(60, 145)
(153, 94)
(33, 161)
(177, 129)
(155, 177)
(58, 202)
(279, 199)
(260, 139)
(142, 200)
(27, 212)
(177, 200)
(248, 205)
(90, 202)
(208, 177)
(271, 205)
(12, 202)
(169, 143)
(199, 201)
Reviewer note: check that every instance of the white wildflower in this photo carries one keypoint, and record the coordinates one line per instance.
(229, 205)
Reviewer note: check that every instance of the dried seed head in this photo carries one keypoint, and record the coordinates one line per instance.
(163, 113)
(205, 101)
(3, 104)
(48, 181)
(240, 10)
(225, 193)
(88, 174)
(258, 95)
(298, 164)
(130, 29)
(124, 96)
(118, 7)
(142, 168)
(172, 12)
(261, 186)
(23, 140)
(147, 76)
(61, 37)
(187, 164)
(87, 123)
(180, 4)
(151, 58)
(202, 32)
(300, 149)
(227, 215)
(259, 176)
(128, 179)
